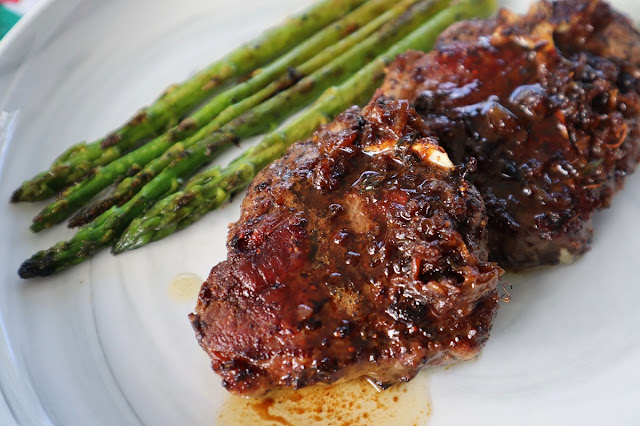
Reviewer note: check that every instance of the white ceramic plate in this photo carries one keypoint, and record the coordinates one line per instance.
(107, 343)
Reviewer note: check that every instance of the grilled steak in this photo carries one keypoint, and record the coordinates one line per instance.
(361, 252)
(548, 106)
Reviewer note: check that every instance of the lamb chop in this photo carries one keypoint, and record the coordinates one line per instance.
(547, 104)
(361, 252)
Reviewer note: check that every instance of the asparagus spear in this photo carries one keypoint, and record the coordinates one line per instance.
(267, 115)
(168, 109)
(210, 189)
(215, 113)
(108, 226)
(106, 229)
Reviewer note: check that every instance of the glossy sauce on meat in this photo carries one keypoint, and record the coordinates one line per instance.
(546, 106)
(362, 252)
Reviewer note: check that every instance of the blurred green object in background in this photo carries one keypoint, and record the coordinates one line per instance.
(7, 20)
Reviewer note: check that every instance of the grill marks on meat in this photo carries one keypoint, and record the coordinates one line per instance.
(361, 252)
(548, 106)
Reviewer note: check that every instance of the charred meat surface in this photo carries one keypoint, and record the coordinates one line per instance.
(361, 252)
(548, 106)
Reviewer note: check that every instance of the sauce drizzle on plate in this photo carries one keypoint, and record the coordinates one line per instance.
(185, 287)
(352, 403)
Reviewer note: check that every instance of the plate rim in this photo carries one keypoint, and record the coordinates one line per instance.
(22, 409)
(24, 23)
(14, 408)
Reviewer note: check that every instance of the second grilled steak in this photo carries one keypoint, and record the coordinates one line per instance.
(548, 105)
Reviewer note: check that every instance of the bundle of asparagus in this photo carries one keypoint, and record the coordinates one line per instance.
(218, 112)
(353, 65)
(80, 159)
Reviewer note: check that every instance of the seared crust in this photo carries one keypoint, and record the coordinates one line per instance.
(548, 106)
(361, 252)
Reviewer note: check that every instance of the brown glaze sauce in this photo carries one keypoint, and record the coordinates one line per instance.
(352, 403)
(333, 273)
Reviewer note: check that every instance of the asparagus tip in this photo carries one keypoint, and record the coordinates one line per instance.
(37, 266)
(37, 226)
(17, 195)
(127, 244)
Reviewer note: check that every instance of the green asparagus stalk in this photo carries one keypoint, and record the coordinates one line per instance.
(107, 228)
(80, 159)
(212, 188)
(266, 116)
(339, 36)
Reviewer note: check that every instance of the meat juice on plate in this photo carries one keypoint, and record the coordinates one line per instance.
(185, 287)
(356, 402)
